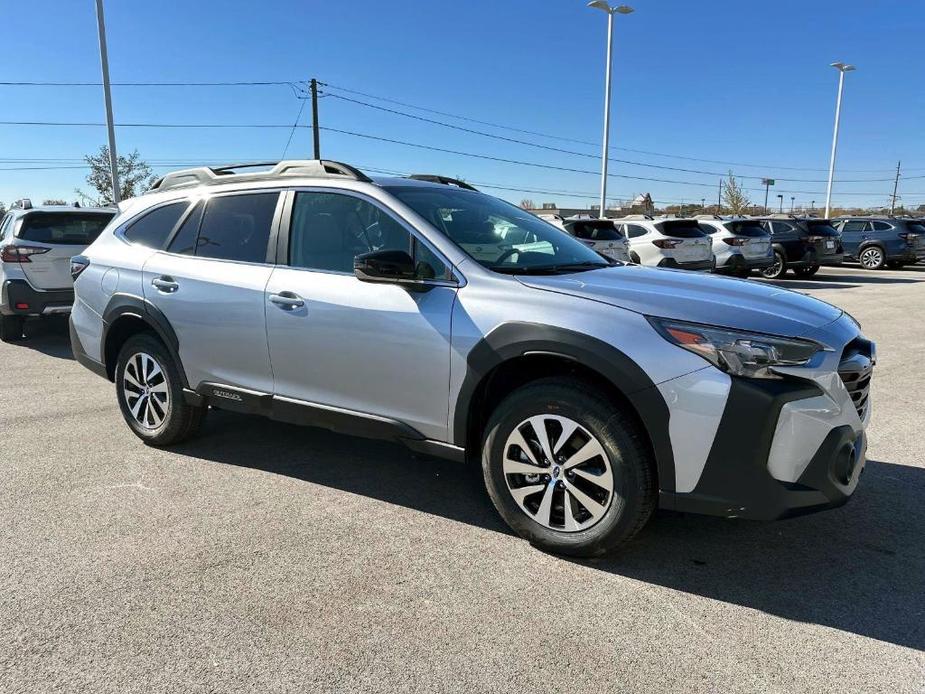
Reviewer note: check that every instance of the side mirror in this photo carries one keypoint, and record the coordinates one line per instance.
(384, 266)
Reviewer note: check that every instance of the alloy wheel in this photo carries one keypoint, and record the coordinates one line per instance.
(775, 269)
(558, 473)
(871, 258)
(144, 386)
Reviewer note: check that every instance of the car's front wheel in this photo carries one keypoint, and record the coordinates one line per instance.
(567, 469)
(777, 269)
(872, 258)
(150, 394)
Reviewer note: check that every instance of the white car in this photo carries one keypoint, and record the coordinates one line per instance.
(601, 235)
(739, 245)
(36, 245)
(669, 243)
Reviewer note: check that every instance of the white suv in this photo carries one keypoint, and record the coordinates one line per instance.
(589, 391)
(36, 245)
(670, 243)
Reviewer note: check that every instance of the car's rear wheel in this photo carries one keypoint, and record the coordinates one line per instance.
(777, 269)
(806, 271)
(11, 328)
(872, 258)
(567, 469)
(150, 394)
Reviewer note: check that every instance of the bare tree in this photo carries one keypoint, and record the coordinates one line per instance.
(2, 209)
(527, 204)
(135, 177)
(734, 196)
(54, 201)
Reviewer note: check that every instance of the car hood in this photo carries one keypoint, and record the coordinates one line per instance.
(709, 299)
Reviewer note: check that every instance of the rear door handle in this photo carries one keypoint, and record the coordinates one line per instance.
(165, 284)
(287, 300)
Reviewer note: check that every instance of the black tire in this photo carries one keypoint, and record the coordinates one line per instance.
(806, 271)
(633, 499)
(895, 264)
(634, 258)
(11, 328)
(872, 258)
(180, 420)
(742, 273)
(778, 269)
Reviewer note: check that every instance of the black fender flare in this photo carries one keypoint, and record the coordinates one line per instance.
(512, 340)
(121, 305)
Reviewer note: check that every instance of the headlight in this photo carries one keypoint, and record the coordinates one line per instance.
(752, 355)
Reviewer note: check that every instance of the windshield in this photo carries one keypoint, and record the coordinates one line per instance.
(496, 234)
(71, 228)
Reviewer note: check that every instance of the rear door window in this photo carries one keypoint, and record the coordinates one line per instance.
(855, 226)
(68, 229)
(153, 229)
(237, 227)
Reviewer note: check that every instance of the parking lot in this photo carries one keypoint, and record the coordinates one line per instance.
(267, 557)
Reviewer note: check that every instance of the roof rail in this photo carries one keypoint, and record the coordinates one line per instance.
(210, 175)
(637, 216)
(714, 217)
(445, 180)
(22, 204)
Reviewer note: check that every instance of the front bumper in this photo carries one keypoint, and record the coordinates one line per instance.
(21, 299)
(781, 447)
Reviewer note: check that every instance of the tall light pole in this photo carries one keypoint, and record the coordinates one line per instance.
(611, 11)
(842, 69)
(107, 94)
(781, 198)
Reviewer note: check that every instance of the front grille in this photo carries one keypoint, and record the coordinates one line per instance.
(855, 369)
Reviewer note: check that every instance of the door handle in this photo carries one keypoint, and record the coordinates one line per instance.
(165, 284)
(287, 300)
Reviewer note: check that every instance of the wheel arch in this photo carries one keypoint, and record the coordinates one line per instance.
(515, 354)
(127, 315)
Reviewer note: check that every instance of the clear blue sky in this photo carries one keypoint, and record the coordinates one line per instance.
(733, 81)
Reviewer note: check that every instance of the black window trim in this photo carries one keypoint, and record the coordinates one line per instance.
(457, 279)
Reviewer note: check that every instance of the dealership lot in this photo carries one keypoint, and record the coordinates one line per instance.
(274, 558)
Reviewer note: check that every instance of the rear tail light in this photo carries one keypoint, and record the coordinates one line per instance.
(735, 241)
(909, 237)
(666, 243)
(79, 263)
(20, 254)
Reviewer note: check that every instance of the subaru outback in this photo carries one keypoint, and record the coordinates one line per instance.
(591, 392)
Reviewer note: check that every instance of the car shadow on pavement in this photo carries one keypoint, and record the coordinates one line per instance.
(48, 336)
(858, 568)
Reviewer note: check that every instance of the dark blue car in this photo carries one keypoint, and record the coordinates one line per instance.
(877, 242)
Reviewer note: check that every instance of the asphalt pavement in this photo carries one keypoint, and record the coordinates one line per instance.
(264, 557)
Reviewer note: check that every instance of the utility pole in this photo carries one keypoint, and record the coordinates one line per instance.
(107, 94)
(315, 136)
(792, 198)
(719, 198)
(703, 204)
(895, 187)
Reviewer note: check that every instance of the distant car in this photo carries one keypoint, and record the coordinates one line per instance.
(801, 244)
(740, 245)
(877, 242)
(36, 245)
(601, 235)
(669, 243)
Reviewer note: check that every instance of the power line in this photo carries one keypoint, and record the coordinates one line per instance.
(150, 84)
(585, 154)
(767, 167)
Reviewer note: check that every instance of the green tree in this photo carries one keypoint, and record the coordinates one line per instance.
(135, 177)
(734, 196)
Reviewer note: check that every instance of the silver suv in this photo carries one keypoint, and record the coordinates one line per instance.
(426, 312)
(36, 245)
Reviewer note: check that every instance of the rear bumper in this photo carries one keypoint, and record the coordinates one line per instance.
(21, 299)
(673, 264)
(811, 259)
(738, 479)
(81, 356)
(909, 255)
(737, 261)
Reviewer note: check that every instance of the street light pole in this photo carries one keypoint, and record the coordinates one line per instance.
(107, 94)
(622, 9)
(792, 198)
(842, 69)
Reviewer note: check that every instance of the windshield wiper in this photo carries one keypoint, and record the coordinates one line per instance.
(551, 269)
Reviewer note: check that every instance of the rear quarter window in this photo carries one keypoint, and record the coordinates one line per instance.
(152, 229)
(69, 229)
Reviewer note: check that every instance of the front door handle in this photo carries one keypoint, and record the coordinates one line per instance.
(287, 300)
(165, 284)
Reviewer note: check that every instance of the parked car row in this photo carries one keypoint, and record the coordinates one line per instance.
(772, 245)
